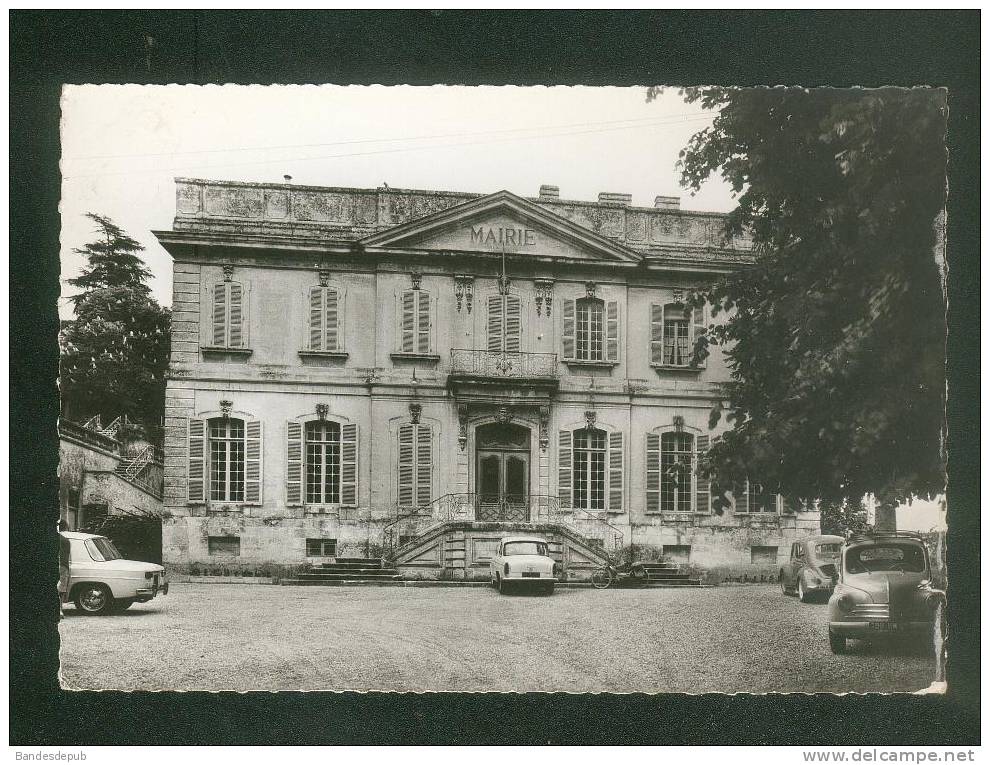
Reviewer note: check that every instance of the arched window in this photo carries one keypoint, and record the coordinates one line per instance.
(227, 442)
(323, 463)
(590, 447)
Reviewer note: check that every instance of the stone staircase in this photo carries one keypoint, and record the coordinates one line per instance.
(346, 571)
(667, 574)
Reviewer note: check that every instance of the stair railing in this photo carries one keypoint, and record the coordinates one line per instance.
(138, 463)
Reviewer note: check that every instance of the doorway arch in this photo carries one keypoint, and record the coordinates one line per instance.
(503, 470)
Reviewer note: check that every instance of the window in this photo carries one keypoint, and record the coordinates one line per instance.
(322, 463)
(755, 498)
(590, 330)
(227, 460)
(228, 315)
(415, 466)
(590, 465)
(589, 469)
(72, 511)
(224, 546)
(415, 322)
(676, 472)
(674, 328)
(321, 548)
(763, 556)
(102, 549)
(504, 323)
(324, 319)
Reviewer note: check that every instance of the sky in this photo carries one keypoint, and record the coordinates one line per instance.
(123, 145)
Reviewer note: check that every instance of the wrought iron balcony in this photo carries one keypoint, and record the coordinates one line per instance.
(505, 365)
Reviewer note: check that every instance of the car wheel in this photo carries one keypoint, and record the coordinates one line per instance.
(804, 597)
(503, 588)
(548, 588)
(783, 584)
(836, 642)
(94, 599)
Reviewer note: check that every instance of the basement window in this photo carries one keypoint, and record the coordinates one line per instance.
(224, 546)
(764, 556)
(321, 548)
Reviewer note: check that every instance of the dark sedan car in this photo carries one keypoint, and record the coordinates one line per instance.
(812, 570)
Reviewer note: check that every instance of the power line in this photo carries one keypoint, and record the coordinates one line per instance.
(198, 168)
(648, 120)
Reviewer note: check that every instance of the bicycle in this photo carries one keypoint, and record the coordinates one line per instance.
(608, 575)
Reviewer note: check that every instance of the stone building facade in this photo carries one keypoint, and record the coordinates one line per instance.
(361, 371)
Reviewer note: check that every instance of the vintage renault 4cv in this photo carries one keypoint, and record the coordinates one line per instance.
(885, 588)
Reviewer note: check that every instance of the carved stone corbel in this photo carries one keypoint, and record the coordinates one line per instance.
(544, 427)
(590, 417)
(228, 273)
(544, 294)
(462, 425)
(464, 291)
(415, 410)
(504, 415)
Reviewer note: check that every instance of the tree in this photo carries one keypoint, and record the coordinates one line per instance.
(115, 352)
(835, 337)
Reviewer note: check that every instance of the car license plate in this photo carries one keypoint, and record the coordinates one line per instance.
(883, 626)
(535, 574)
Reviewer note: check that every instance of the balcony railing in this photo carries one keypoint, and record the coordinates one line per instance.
(503, 364)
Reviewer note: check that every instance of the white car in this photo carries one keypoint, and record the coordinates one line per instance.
(100, 580)
(523, 560)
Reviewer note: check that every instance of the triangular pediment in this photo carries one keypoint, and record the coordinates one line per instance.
(497, 222)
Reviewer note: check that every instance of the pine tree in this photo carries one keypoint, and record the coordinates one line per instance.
(115, 352)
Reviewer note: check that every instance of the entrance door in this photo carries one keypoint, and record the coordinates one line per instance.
(503, 473)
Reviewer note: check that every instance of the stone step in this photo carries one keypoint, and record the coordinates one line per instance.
(350, 570)
(339, 575)
(366, 561)
(675, 583)
(350, 566)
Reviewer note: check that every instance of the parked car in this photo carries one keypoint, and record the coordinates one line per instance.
(100, 580)
(523, 561)
(885, 588)
(812, 570)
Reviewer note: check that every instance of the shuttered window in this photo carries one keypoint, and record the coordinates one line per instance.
(324, 319)
(322, 463)
(676, 458)
(228, 315)
(415, 465)
(504, 323)
(414, 327)
(227, 460)
(591, 469)
(590, 330)
(674, 329)
(755, 498)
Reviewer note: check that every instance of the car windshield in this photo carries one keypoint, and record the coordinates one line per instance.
(525, 548)
(888, 557)
(830, 550)
(102, 549)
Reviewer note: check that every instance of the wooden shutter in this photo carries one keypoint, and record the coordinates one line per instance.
(513, 323)
(612, 330)
(196, 476)
(495, 322)
(316, 302)
(564, 466)
(702, 486)
(786, 505)
(424, 465)
(568, 328)
(423, 322)
(220, 314)
(656, 333)
(408, 330)
(235, 319)
(697, 329)
(615, 465)
(652, 473)
(405, 466)
(742, 498)
(331, 316)
(348, 464)
(252, 462)
(293, 463)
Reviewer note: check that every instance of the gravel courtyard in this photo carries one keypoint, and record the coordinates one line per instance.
(243, 637)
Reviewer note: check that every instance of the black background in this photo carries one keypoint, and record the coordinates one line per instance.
(49, 48)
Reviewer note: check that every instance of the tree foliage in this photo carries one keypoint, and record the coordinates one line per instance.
(115, 352)
(835, 337)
